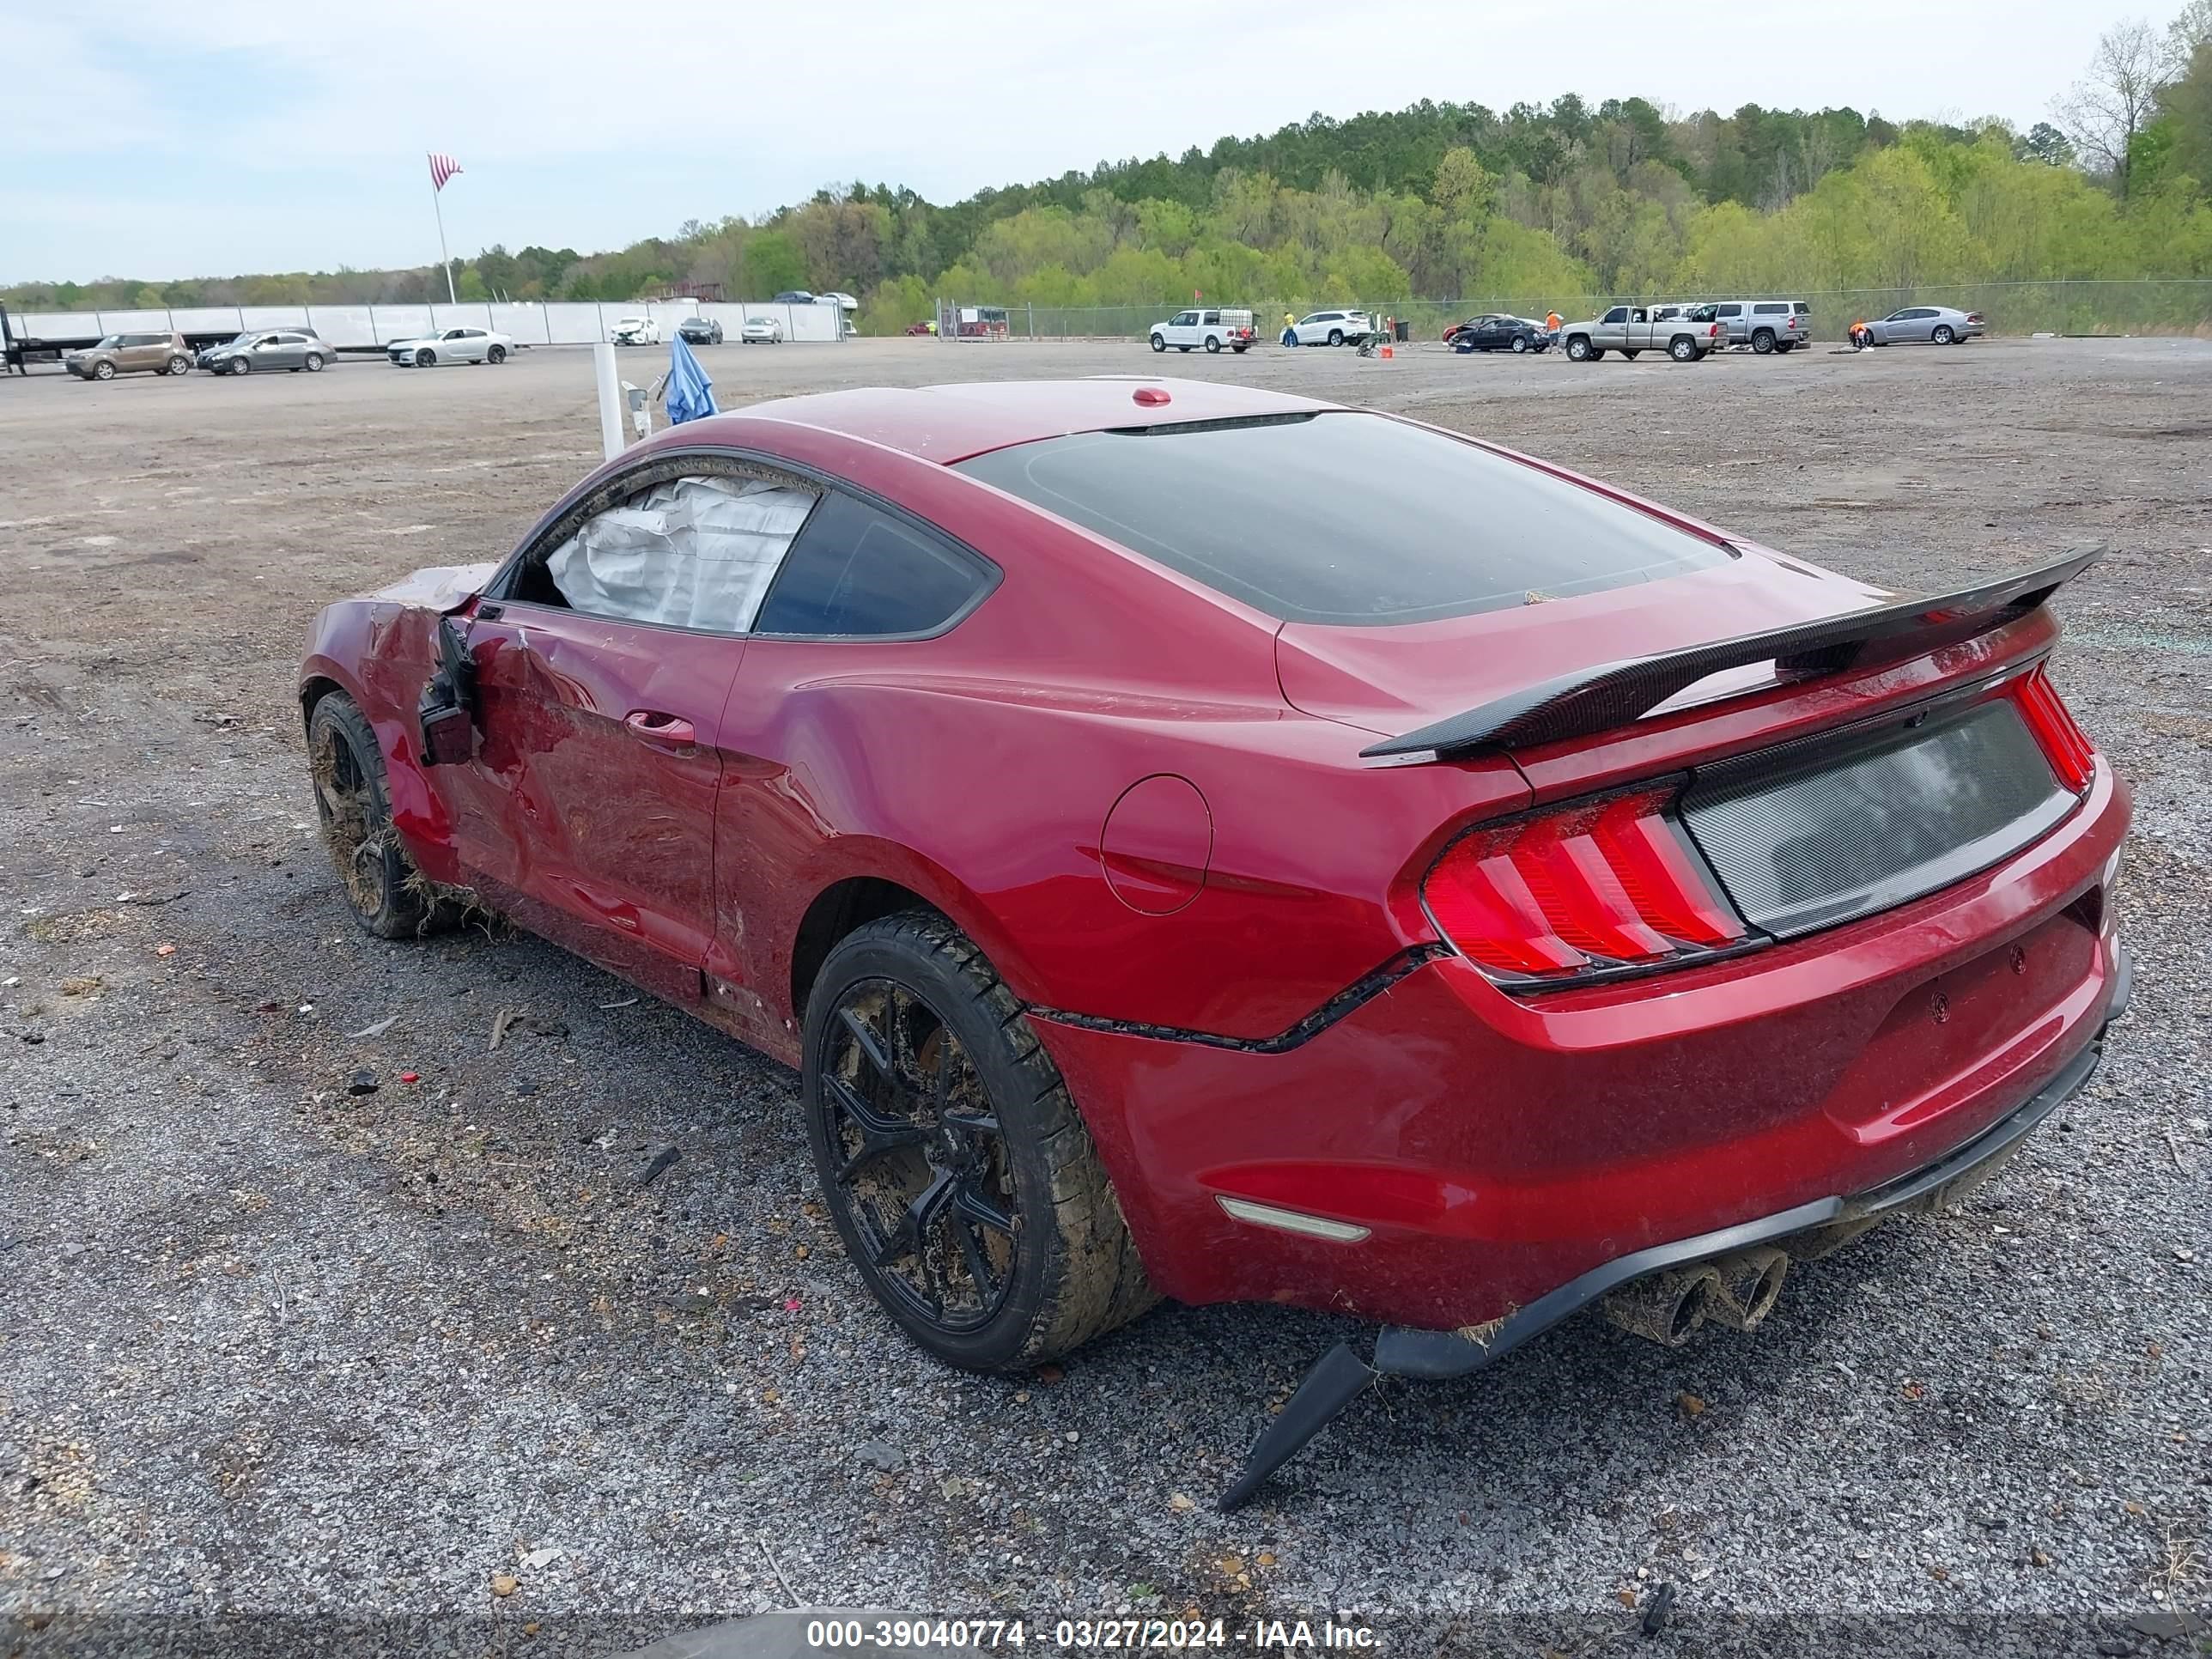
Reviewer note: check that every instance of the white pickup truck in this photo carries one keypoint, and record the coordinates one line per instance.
(1213, 327)
(1631, 330)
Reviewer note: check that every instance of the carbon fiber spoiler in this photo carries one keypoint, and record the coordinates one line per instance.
(1615, 694)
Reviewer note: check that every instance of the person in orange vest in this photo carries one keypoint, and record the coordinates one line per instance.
(1861, 336)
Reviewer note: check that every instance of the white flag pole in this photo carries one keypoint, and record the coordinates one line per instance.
(445, 260)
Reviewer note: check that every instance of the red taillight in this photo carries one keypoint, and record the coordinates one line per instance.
(1579, 891)
(1973, 316)
(2072, 756)
(1713, 332)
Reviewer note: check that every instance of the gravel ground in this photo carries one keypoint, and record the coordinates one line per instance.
(287, 1368)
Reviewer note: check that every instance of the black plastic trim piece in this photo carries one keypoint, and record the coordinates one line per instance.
(1365, 988)
(1616, 694)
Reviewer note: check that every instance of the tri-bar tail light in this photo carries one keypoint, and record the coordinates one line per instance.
(1607, 888)
(1580, 893)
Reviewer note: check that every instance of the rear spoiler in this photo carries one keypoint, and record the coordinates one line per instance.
(1616, 694)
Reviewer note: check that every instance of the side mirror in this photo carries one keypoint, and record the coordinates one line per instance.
(447, 710)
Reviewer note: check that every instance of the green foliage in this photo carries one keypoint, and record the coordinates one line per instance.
(1557, 203)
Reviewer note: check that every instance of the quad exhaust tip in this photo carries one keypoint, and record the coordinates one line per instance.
(1737, 1291)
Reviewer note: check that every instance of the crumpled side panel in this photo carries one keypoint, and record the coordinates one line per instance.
(695, 553)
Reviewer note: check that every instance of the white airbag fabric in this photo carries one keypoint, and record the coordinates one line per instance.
(695, 553)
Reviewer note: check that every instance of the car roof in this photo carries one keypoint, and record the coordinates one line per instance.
(948, 423)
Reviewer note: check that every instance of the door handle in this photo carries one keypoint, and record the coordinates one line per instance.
(661, 731)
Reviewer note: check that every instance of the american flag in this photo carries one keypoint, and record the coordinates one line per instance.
(442, 167)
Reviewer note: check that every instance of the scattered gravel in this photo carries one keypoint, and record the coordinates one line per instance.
(324, 1327)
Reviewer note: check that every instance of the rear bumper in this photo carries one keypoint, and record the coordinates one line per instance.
(1403, 1351)
(1478, 1153)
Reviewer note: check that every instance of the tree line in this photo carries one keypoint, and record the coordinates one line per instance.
(1445, 200)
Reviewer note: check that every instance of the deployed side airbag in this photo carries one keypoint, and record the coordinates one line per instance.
(694, 553)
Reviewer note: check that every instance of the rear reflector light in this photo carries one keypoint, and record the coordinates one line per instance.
(1581, 892)
(2072, 756)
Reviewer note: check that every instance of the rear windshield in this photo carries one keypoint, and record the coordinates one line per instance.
(1343, 519)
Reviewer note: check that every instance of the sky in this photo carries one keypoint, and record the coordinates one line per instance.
(160, 140)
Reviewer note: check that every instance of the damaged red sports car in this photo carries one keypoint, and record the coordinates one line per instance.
(1200, 843)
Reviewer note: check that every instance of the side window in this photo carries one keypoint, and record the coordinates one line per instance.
(1801, 307)
(1732, 309)
(1771, 311)
(1618, 314)
(858, 571)
(693, 552)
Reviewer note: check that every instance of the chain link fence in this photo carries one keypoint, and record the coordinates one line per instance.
(2179, 306)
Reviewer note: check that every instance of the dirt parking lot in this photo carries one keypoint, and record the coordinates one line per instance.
(287, 1368)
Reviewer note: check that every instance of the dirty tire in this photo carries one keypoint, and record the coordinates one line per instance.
(1067, 1270)
(382, 888)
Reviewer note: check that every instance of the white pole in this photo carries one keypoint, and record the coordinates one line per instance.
(444, 259)
(610, 409)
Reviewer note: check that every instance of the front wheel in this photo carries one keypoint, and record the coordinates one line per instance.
(1579, 349)
(1942, 335)
(496, 354)
(386, 894)
(961, 1177)
(425, 358)
(1336, 337)
(103, 371)
(241, 365)
(1683, 348)
(1159, 343)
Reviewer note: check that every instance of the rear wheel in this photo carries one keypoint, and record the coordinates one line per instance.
(1763, 342)
(1213, 344)
(1942, 335)
(178, 365)
(496, 354)
(313, 364)
(388, 895)
(1520, 343)
(1682, 349)
(961, 1177)
(1336, 337)
(1240, 350)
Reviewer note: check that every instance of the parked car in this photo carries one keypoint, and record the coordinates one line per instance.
(1632, 331)
(794, 297)
(700, 330)
(1211, 326)
(131, 354)
(1927, 326)
(635, 331)
(1764, 325)
(842, 302)
(455, 345)
(1496, 331)
(927, 325)
(761, 331)
(1331, 327)
(268, 350)
(1354, 940)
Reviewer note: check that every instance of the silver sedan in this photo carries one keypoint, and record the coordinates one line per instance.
(1927, 326)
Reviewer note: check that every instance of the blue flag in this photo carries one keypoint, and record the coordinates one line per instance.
(689, 394)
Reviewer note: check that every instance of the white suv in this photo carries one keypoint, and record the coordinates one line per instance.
(1331, 327)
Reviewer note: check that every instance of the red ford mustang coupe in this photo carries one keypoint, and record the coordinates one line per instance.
(1200, 843)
